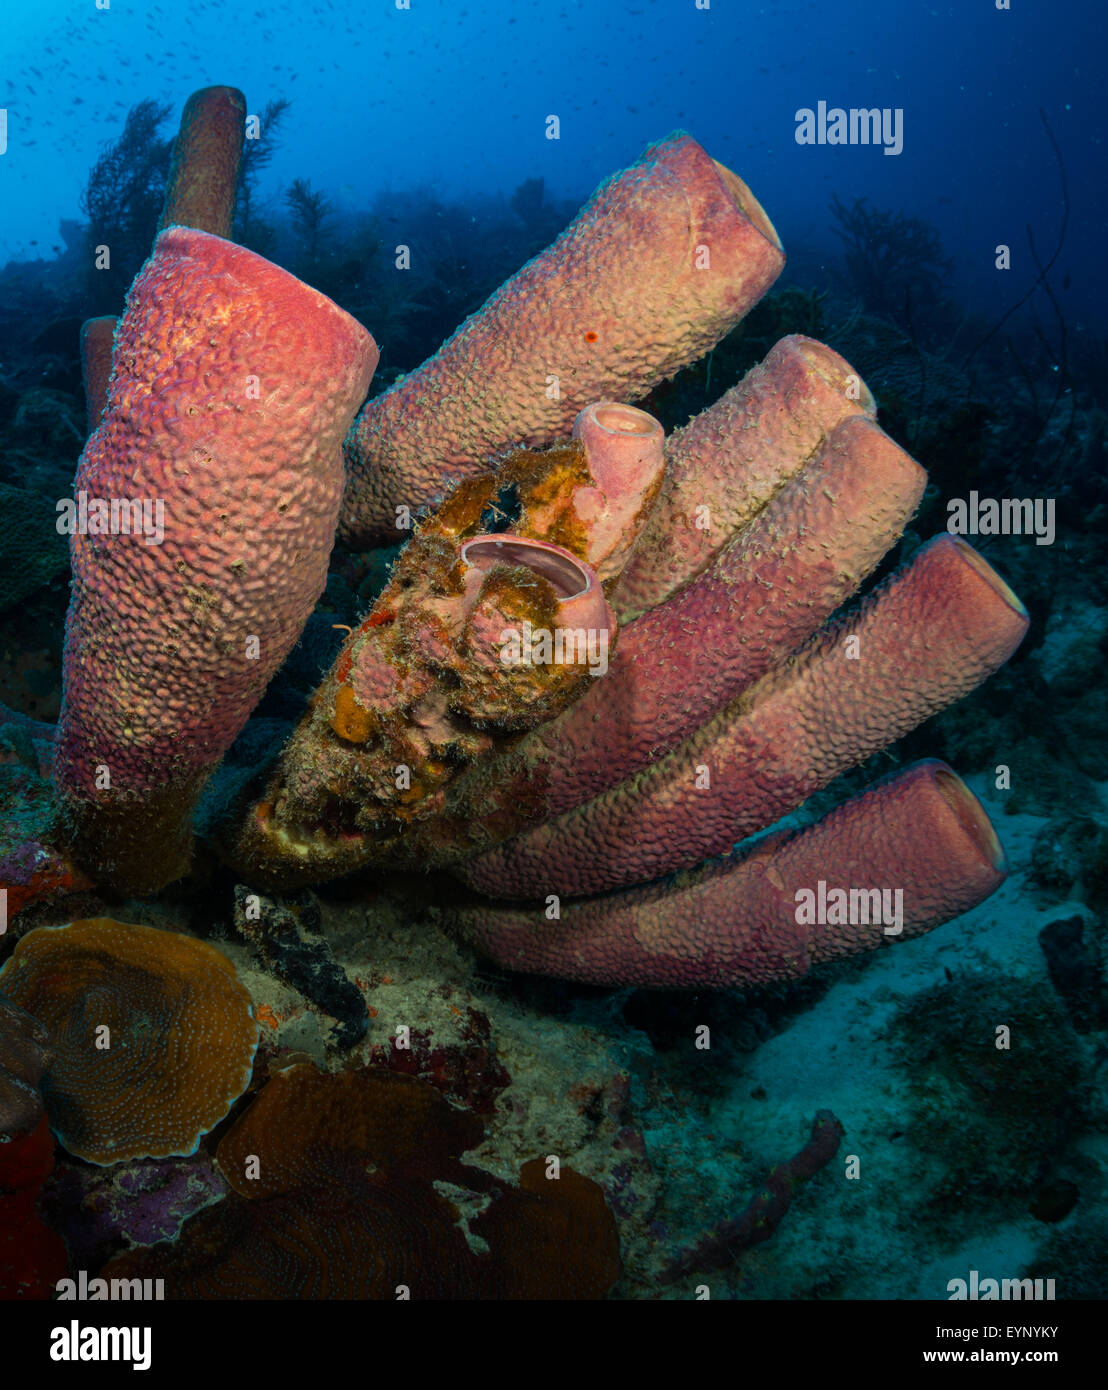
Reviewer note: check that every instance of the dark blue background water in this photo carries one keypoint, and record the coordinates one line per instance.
(456, 96)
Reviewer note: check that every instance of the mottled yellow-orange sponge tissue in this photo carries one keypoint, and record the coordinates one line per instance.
(154, 1036)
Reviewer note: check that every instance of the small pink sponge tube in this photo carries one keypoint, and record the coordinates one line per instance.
(97, 336)
(796, 899)
(203, 182)
(215, 478)
(625, 451)
(660, 263)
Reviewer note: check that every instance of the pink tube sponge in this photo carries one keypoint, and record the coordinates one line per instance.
(660, 263)
(726, 465)
(625, 452)
(207, 157)
(211, 490)
(96, 364)
(765, 916)
(923, 640)
(684, 660)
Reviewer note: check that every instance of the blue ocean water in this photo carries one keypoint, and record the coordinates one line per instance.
(456, 98)
(936, 175)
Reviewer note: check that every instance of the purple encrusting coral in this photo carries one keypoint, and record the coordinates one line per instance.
(140, 1203)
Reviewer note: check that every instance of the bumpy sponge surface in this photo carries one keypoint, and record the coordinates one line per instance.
(233, 385)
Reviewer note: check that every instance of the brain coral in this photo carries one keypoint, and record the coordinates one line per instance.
(154, 1035)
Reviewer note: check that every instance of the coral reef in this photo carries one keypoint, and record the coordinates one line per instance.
(420, 688)
(576, 806)
(334, 1178)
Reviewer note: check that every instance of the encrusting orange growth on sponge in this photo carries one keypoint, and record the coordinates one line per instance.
(351, 721)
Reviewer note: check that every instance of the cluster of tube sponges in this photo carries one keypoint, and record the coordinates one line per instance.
(709, 567)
